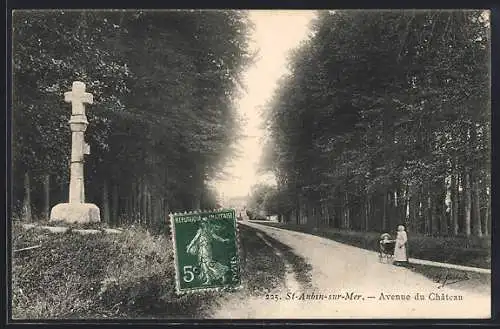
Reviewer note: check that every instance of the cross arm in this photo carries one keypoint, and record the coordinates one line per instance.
(84, 98)
(68, 96)
(88, 98)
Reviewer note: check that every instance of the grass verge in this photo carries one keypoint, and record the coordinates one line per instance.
(262, 256)
(301, 269)
(262, 270)
(128, 275)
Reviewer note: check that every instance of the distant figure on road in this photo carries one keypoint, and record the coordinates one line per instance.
(400, 256)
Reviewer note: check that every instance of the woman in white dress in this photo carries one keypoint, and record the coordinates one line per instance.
(400, 256)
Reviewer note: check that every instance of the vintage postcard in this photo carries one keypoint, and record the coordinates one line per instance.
(343, 157)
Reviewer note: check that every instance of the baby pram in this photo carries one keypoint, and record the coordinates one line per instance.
(386, 247)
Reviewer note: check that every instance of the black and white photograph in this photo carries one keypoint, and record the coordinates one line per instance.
(352, 148)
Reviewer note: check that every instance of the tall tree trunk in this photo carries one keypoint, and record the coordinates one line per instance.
(46, 196)
(105, 201)
(298, 212)
(303, 211)
(133, 200)
(140, 200)
(150, 207)
(347, 216)
(421, 214)
(401, 203)
(327, 214)
(331, 214)
(341, 212)
(147, 208)
(367, 213)
(160, 215)
(322, 212)
(467, 205)
(476, 205)
(307, 209)
(163, 212)
(389, 212)
(384, 216)
(445, 225)
(156, 201)
(412, 207)
(427, 209)
(114, 205)
(432, 217)
(454, 201)
(474, 183)
(166, 210)
(154, 210)
(440, 209)
(147, 217)
(27, 211)
(314, 216)
(487, 226)
(406, 214)
(437, 201)
(128, 206)
(144, 205)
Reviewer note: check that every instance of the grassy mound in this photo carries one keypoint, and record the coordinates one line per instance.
(472, 251)
(128, 275)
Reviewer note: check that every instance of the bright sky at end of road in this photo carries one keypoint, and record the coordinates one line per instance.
(276, 32)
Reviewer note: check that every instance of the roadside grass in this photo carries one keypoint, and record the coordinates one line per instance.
(262, 270)
(472, 251)
(127, 275)
(121, 276)
(82, 226)
(301, 269)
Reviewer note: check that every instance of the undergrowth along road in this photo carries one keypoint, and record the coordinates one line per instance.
(126, 276)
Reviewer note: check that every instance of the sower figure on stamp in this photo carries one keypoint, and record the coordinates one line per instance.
(201, 245)
(400, 256)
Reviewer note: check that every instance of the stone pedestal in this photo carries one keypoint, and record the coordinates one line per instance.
(75, 213)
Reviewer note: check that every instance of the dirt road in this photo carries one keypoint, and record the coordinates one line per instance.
(349, 282)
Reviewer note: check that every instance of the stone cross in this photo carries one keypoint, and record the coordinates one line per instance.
(78, 124)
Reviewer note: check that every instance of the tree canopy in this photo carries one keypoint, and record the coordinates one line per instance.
(163, 121)
(384, 119)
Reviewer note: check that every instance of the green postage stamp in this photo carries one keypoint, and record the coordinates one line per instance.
(206, 250)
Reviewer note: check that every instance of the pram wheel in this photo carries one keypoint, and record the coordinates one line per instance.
(386, 250)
